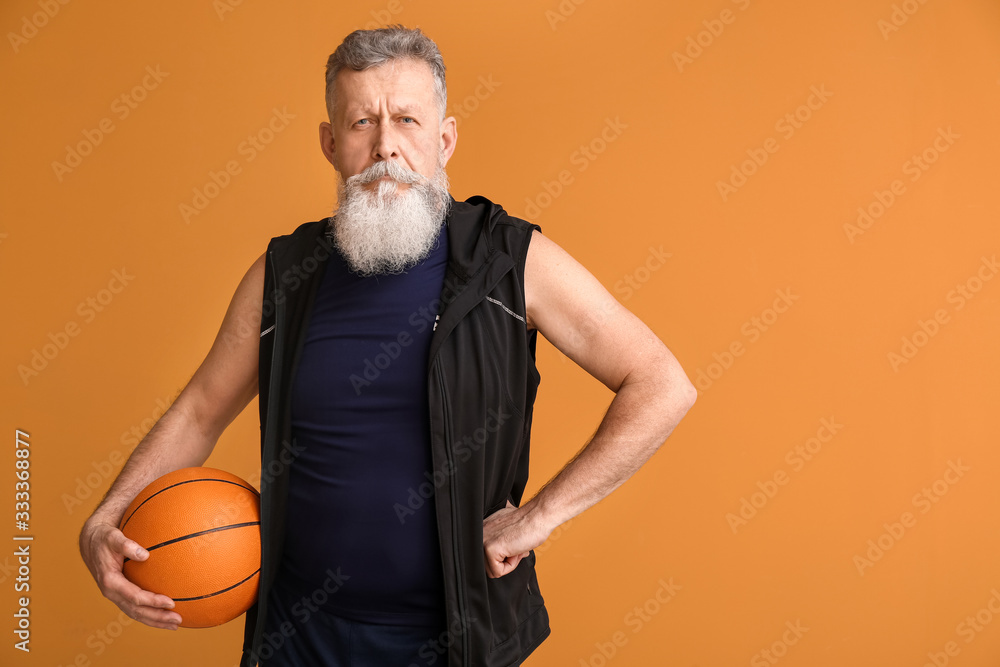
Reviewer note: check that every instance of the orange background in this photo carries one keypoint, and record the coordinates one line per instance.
(556, 79)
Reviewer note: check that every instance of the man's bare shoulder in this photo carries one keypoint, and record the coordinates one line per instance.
(549, 269)
(252, 284)
(568, 305)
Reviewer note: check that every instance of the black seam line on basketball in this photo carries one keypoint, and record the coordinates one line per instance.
(202, 597)
(187, 481)
(200, 532)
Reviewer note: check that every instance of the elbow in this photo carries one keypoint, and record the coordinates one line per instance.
(667, 384)
(684, 392)
(691, 395)
(688, 395)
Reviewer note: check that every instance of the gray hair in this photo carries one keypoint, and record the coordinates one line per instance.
(363, 49)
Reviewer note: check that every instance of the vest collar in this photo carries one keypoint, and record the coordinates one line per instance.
(469, 225)
(474, 268)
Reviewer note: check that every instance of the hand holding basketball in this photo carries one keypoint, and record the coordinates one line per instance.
(200, 531)
(104, 549)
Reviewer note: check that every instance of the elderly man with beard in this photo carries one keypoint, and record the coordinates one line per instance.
(395, 368)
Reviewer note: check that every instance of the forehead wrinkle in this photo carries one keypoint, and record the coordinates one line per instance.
(377, 90)
(367, 107)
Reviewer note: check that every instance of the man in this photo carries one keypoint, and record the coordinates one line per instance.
(395, 367)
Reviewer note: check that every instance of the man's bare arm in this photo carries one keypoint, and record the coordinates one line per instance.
(574, 312)
(184, 436)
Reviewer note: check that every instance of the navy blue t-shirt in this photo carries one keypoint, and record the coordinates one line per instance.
(360, 508)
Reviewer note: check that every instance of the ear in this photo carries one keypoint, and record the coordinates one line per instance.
(326, 142)
(449, 137)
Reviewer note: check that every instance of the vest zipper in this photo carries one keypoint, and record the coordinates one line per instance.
(273, 419)
(454, 522)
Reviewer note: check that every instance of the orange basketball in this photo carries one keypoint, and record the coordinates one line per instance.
(201, 527)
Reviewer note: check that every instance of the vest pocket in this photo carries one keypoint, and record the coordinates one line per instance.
(509, 604)
(496, 508)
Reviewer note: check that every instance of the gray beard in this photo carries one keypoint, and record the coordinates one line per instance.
(388, 229)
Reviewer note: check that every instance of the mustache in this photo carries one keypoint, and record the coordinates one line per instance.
(389, 168)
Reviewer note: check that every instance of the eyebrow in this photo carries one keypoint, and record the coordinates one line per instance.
(405, 108)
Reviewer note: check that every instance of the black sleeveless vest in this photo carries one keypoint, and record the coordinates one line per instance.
(482, 382)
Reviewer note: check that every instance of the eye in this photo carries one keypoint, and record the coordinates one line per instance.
(362, 120)
(409, 118)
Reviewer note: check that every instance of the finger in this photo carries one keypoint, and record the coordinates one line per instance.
(493, 568)
(154, 600)
(131, 549)
(511, 562)
(157, 618)
(115, 580)
(498, 568)
(123, 592)
(149, 599)
(503, 569)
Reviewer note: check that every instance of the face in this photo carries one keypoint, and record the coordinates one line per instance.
(387, 113)
(389, 150)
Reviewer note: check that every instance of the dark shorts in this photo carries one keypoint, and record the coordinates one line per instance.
(291, 640)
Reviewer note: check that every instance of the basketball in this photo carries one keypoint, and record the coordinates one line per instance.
(201, 527)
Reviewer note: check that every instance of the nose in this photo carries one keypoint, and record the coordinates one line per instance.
(386, 145)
